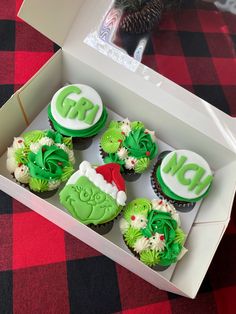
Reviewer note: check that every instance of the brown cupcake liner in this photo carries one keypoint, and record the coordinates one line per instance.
(156, 267)
(79, 143)
(179, 205)
(106, 227)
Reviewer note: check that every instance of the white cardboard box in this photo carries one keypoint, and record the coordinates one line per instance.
(182, 120)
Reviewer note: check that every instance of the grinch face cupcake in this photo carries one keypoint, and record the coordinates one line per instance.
(182, 177)
(77, 111)
(95, 195)
(130, 145)
(152, 232)
(41, 160)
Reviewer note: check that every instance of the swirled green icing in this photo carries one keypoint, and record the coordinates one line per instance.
(33, 136)
(137, 125)
(55, 136)
(137, 206)
(93, 130)
(48, 162)
(160, 222)
(66, 173)
(180, 236)
(111, 140)
(132, 235)
(150, 257)
(38, 185)
(172, 195)
(87, 203)
(141, 165)
(114, 158)
(139, 143)
(170, 255)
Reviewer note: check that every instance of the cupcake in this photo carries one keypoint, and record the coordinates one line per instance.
(152, 232)
(41, 160)
(77, 111)
(130, 145)
(95, 195)
(182, 177)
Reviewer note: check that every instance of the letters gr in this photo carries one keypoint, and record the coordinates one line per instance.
(83, 109)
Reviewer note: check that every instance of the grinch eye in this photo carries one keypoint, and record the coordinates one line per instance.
(85, 194)
(99, 197)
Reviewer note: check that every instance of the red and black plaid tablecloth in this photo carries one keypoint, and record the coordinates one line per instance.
(44, 269)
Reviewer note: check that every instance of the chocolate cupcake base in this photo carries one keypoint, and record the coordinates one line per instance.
(103, 228)
(179, 205)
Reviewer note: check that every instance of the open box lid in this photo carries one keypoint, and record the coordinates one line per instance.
(73, 24)
(69, 23)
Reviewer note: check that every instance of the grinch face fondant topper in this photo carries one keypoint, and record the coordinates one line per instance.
(186, 174)
(94, 195)
(76, 107)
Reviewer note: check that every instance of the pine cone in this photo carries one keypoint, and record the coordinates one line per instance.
(142, 21)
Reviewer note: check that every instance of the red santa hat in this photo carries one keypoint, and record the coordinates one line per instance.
(108, 178)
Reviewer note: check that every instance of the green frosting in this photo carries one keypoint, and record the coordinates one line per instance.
(150, 257)
(114, 124)
(132, 235)
(180, 236)
(33, 137)
(141, 165)
(139, 143)
(48, 162)
(55, 136)
(91, 131)
(170, 256)
(137, 125)
(38, 185)
(87, 203)
(158, 222)
(66, 173)
(174, 196)
(114, 158)
(111, 140)
(137, 206)
(21, 155)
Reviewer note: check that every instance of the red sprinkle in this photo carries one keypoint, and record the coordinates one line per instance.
(146, 132)
(160, 202)
(148, 153)
(132, 217)
(132, 162)
(43, 149)
(20, 164)
(123, 133)
(59, 163)
(20, 141)
(162, 238)
(120, 141)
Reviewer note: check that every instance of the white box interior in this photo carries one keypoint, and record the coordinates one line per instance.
(178, 132)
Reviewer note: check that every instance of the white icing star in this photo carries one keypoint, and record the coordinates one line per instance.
(35, 147)
(152, 134)
(11, 164)
(141, 244)
(22, 174)
(157, 242)
(138, 221)
(46, 141)
(130, 162)
(124, 225)
(18, 142)
(122, 153)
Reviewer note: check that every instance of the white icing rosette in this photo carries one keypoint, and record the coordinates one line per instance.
(164, 206)
(11, 164)
(11, 152)
(22, 174)
(126, 126)
(157, 242)
(18, 142)
(35, 147)
(138, 221)
(130, 163)
(46, 141)
(124, 225)
(53, 184)
(122, 153)
(141, 244)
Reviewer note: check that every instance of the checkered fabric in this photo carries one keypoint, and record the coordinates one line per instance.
(44, 269)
